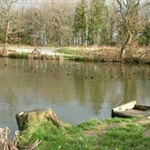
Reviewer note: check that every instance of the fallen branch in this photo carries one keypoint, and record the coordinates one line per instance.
(12, 144)
(5, 142)
(145, 53)
(31, 147)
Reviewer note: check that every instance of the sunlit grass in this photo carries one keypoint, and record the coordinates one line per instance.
(120, 134)
(128, 137)
(120, 120)
(69, 51)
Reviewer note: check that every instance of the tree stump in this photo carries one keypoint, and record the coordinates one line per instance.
(27, 118)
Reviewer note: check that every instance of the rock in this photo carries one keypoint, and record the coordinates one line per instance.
(27, 118)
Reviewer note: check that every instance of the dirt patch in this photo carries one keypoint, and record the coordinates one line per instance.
(144, 120)
(102, 129)
(147, 133)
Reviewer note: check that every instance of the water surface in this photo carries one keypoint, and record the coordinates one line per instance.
(76, 91)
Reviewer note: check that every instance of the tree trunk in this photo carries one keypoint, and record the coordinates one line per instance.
(5, 50)
(123, 47)
(28, 118)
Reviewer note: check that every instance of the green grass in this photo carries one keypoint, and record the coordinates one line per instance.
(112, 134)
(129, 137)
(90, 125)
(53, 138)
(120, 120)
(77, 55)
(69, 51)
(18, 55)
(24, 55)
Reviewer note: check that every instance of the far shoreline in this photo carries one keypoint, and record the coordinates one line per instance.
(137, 55)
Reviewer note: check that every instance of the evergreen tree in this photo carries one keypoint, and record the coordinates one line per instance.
(97, 22)
(90, 21)
(80, 21)
(144, 37)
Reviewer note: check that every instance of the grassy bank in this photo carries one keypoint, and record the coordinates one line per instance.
(99, 54)
(110, 134)
(106, 54)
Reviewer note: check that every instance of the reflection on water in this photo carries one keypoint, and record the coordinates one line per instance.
(76, 91)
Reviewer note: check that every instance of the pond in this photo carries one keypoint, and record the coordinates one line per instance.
(76, 91)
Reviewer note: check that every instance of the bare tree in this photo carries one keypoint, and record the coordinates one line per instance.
(48, 22)
(8, 15)
(57, 19)
(129, 21)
